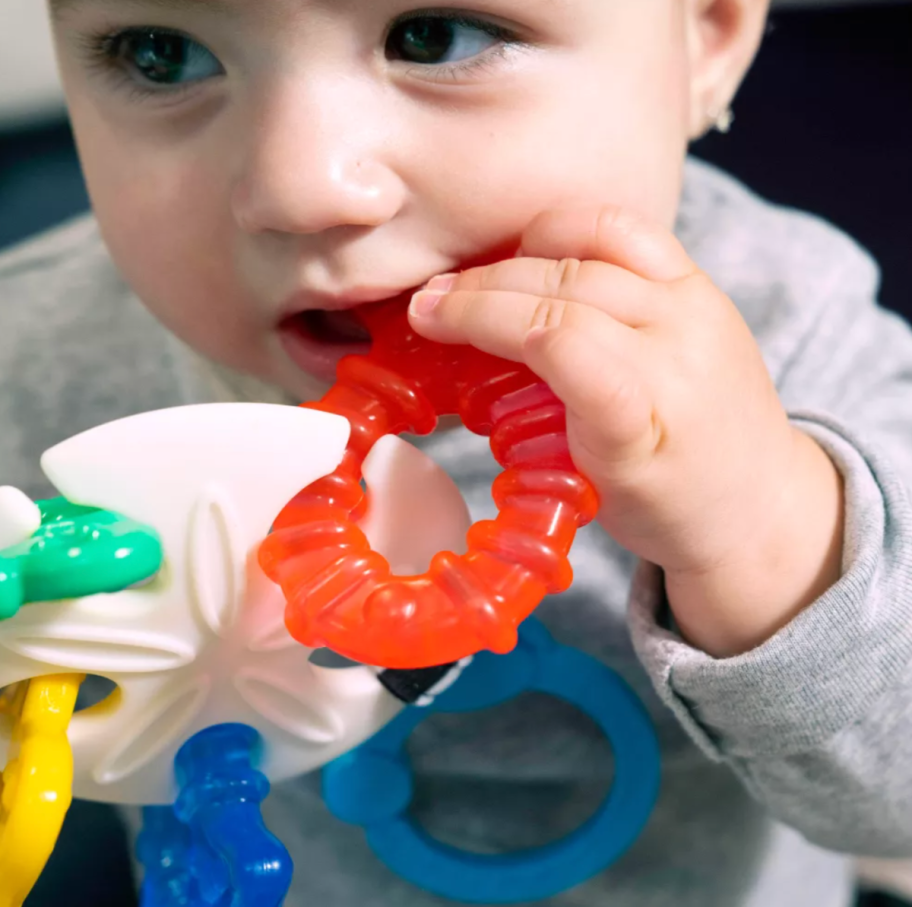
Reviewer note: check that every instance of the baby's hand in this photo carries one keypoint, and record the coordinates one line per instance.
(671, 411)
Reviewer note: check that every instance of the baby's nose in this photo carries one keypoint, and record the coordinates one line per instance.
(312, 165)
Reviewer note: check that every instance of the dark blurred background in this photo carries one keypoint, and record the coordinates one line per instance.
(824, 122)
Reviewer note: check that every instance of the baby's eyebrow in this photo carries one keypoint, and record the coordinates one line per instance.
(58, 7)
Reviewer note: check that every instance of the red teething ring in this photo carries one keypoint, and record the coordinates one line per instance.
(341, 594)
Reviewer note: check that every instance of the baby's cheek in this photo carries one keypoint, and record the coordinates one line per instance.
(178, 272)
(162, 238)
(163, 211)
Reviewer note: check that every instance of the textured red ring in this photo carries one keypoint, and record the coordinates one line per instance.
(342, 595)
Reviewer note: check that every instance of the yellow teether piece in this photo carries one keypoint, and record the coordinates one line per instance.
(37, 786)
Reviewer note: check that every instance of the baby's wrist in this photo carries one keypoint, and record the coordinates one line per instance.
(741, 605)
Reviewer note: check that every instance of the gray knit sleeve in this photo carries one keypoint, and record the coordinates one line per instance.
(817, 722)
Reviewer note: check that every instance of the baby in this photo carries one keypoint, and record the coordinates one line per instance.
(515, 171)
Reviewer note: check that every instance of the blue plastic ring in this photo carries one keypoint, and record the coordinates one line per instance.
(372, 785)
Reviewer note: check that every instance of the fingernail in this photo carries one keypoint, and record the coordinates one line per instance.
(425, 302)
(443, 283)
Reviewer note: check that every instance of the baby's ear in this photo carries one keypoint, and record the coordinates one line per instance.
(723, 37)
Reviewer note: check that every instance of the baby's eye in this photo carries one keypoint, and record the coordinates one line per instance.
(163, 58)
(432, 40)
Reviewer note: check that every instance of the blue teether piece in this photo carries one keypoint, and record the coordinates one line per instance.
(163, 847)
(372, 785)
(212, 848)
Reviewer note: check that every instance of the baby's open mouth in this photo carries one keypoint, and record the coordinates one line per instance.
(316, 340)
(332, 328)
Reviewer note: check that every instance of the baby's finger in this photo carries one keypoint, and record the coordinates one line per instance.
(501, 322)
(608, 288)
(600, 376)
(609, 234)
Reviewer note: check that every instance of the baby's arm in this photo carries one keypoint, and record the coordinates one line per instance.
(818, 720)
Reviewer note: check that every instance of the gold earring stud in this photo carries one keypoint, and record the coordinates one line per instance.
(722, 120)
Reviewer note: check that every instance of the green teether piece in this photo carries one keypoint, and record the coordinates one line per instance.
(77, 551)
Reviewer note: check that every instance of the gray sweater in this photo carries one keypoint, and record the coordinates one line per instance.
(773, 762)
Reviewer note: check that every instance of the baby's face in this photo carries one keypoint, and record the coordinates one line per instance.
(256, 163)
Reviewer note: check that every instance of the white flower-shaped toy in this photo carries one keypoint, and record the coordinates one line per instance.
(204, 642)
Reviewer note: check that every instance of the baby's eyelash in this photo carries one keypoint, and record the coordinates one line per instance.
(97, 49)
(101, 54)
(459, 17)
(445, 72)
(509, 40)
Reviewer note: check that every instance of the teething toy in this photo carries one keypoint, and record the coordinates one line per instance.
(372, 785)
(342, 594)
(198, 621)
(204, 642)
(213, 846)
(35, 790)
(75, 551)
(19, 517)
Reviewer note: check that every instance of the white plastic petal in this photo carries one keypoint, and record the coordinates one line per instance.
(19, 517)
(414, 508)
(205, 641)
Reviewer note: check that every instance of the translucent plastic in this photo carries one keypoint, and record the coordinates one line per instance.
(342, 595)
(213, 848)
